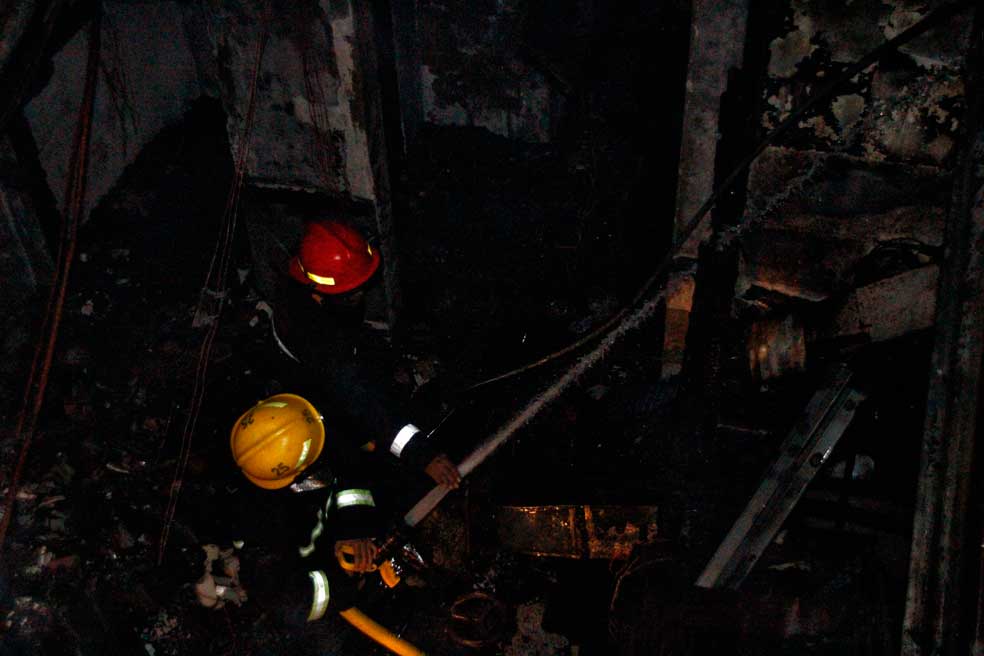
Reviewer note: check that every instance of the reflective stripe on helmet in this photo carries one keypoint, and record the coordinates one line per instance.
(305, 450)
(402, 439)
(347, 498)
(321, 280)
(315, 534)
(321, 594)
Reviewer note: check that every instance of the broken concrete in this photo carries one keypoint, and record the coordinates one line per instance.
(473, 71)
(317, 125)
(309, 130)
(531, 639)
(844, 219)
(889, 200)
(887, 309)
(804, 238)
(149, 79)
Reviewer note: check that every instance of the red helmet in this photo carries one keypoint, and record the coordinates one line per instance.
(333, 257)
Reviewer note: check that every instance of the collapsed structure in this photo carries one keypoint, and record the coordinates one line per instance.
(695, 286)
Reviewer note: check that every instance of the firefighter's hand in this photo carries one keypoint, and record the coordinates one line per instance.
(443, 471)
(356, 555)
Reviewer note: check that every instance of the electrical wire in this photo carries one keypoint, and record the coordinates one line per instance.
(691, 227)
(37, 381)
(213, 292)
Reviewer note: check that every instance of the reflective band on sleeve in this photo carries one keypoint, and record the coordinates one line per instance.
(347, 498)
(402, 439)
(320, 603)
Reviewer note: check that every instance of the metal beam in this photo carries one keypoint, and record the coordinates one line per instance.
(803, 452)
(937, 606)
(717, 45)
(935, 599)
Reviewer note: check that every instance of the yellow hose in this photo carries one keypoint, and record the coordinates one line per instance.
(379, 633)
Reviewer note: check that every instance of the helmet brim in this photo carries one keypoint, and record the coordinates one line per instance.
(268, 484)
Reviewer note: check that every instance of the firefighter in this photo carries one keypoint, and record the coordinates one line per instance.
(316, 328)
(275, 444)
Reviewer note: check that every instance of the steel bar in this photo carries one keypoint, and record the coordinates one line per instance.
(947, 469)
(803, 452)
(936, 611)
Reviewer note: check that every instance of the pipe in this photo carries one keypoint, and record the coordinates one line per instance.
(379, 633)
(482, 452)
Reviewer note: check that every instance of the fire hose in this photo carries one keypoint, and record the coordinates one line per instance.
(379, 633)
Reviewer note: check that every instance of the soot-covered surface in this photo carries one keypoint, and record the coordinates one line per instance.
(498, 268)
(86, 572)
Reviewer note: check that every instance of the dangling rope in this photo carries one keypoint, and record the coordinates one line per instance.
(37, 380)
(213, 293)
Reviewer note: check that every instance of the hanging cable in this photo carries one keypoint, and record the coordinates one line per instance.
(37, 380)
(212, 296)
(690, 228)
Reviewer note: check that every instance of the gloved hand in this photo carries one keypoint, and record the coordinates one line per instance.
(356, 555)
(443, 471)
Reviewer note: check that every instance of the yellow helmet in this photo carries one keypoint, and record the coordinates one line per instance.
(277, 439)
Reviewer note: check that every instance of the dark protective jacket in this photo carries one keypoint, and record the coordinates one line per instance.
(318, 357)
(307, 580)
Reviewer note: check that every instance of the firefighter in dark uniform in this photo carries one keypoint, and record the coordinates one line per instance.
(276, 444)
(316, 331)
(330, 507)
(317, 325)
